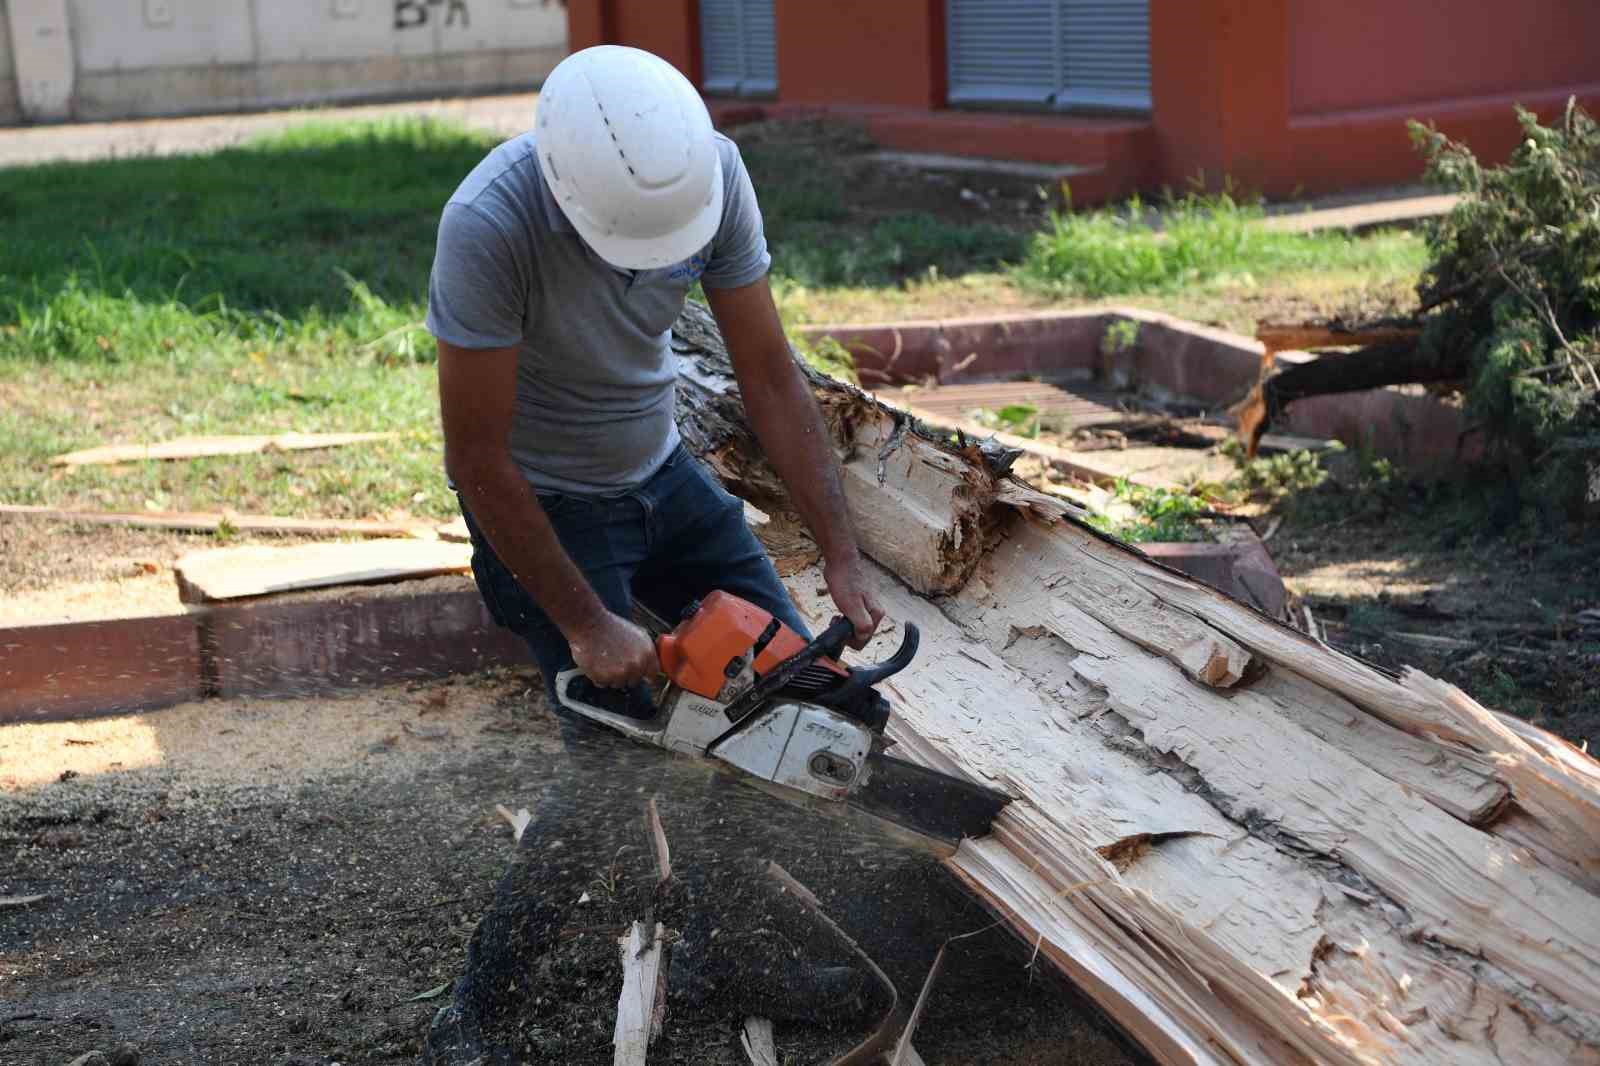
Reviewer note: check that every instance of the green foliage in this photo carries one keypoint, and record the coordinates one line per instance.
(1160, 515)
(1515, 278)
(1272, 477)
(1202, 240)
(1121, 336)
(828, 356)
(1019, 418)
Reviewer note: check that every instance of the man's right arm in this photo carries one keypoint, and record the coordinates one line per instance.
(477, 393)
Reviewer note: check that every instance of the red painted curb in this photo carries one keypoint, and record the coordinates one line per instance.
(1242, 569)
(1169, 359)
(89, 669)
(311, 648)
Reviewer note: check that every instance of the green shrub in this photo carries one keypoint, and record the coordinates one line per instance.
(1271, 477)
(1160, 515)
(1515, 278)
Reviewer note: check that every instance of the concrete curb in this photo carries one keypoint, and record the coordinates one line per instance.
(1169, 360)
(268, 648)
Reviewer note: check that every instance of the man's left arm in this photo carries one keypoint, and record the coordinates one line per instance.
(789, 426)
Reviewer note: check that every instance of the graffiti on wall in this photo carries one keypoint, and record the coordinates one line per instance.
(410, 14)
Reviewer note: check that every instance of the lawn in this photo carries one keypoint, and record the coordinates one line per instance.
(280, 286)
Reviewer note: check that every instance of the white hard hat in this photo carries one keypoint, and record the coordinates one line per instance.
(626, 146)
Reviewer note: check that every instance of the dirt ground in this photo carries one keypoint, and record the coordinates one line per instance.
(295, 882)
(1495, 611)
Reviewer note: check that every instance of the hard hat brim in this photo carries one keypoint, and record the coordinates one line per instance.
(653, 253)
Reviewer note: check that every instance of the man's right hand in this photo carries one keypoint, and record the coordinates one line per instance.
(614, 653)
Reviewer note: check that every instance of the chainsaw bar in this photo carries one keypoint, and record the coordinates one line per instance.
(926, 802)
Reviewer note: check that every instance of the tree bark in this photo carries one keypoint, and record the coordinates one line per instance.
(1398, 361)
(1246, 846)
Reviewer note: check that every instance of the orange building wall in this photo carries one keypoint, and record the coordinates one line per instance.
(887, 53)
(1378, 53)
(1280, 96)
(669, 28)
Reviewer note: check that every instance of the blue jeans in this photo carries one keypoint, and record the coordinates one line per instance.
(667, 543)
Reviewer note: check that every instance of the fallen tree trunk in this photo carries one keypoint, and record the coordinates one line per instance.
(1395, 361)
(1247, 847)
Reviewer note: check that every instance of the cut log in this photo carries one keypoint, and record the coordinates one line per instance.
(205, 447)
(234, 573)
(1247, 846)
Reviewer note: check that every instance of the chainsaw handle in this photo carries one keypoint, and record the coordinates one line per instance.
(871, 675)
(839, 633)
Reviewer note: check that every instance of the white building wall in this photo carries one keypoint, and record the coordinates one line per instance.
(164, 57)
(137, 34)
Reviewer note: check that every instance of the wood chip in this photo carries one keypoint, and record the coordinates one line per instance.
(20, 901)
(756, 1039)
(643, 984)
(519, 823)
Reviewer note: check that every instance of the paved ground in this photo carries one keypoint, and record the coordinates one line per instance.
(507, 114)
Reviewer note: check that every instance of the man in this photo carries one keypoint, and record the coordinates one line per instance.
(563, 260)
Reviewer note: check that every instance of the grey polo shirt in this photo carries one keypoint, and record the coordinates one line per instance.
(595, 378)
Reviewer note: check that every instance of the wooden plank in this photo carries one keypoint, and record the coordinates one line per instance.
(210, 522)
(234, 573)
(205, 447)
(642, 984)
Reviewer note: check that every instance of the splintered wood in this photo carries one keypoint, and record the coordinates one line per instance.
(1245, 846)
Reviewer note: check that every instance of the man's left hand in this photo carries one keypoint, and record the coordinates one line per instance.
(853, 593)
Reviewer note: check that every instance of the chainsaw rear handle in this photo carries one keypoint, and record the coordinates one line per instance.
(871, 675)
(863, 678)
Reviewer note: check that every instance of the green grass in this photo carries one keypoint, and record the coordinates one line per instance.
(281, 285)
(275, 286)
(1203, 241)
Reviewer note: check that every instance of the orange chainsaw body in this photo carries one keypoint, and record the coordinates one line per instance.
(721, 638)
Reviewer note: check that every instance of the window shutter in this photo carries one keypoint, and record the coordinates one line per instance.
(1105, 53)
(1062, 53)
(1002, 51)
(739, 47)
(720, 50)
(760, 48)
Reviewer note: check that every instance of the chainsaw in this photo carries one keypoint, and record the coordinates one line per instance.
(745, 690)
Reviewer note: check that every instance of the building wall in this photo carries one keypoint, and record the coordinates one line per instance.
(1278, 96)
(669, 28)
(8, 72)
(889, 53)
(1361, 54)
(137, 58)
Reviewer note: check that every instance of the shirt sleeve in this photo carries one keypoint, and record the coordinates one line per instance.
(739, 250)
(476, 295)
